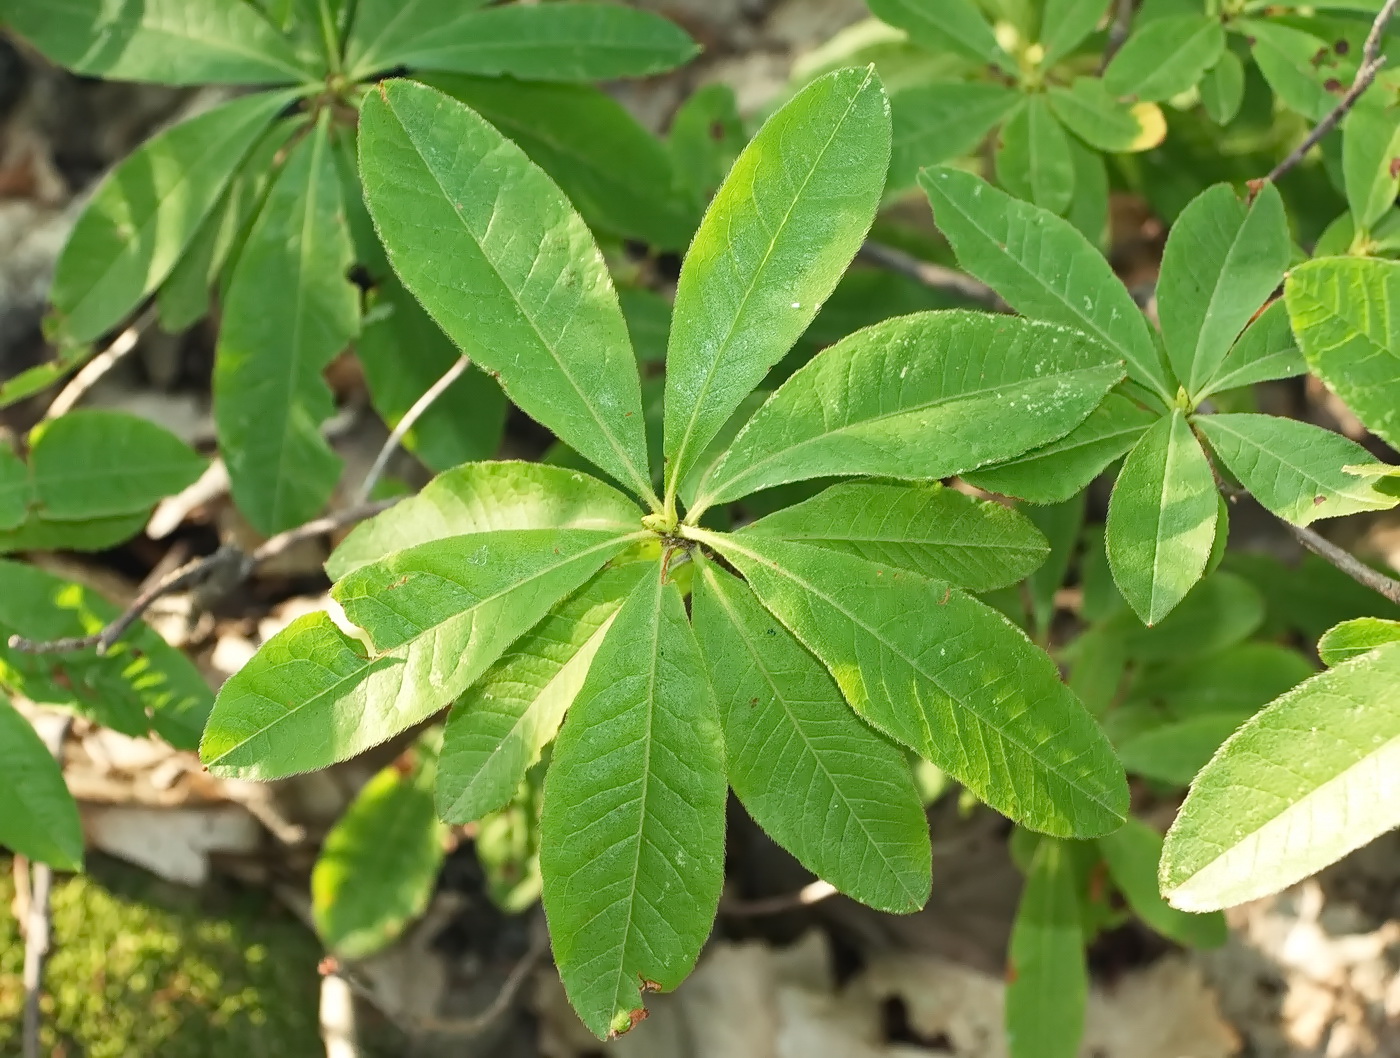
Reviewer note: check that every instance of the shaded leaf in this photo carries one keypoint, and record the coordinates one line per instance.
(1132, 853)
(1266, 351)
(1088, 111)
(38, 816)
(16, 490)
(1165, 57)
(828, 789)
(1221, 610)
(1287, 57)
(633, 823)
(1371, 173)
(92, 464)
(943, 120)
(706, 136)
(379, 863)
(947, 25)
(1066, 23)
(1222, 88)
(1033, 157)
(169, 42)
(289, 311)
(146, 211)
(1047, 977)
(1176, 750)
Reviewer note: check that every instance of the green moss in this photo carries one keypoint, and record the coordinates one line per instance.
(140, 967)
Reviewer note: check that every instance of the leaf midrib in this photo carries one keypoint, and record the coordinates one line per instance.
(721, 542)
(718, 593)
(639, 481)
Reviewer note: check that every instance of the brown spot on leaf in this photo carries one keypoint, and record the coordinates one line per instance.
(1318, 501)
(1342, 47)
(1395, 168)
(1332, 85)
(648, 985)
(717, 130)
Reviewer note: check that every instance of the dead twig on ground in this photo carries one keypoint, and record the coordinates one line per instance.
(421, 405)
(37, 923)
(99, 365)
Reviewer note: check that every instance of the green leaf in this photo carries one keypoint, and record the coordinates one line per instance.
(1222, 88)
(1371, 161)
(1342, 310)
(919, 397)
(1266, 351)
(438, 614)
(1043, 268)
(378, 865)
(706, 136)
(776, 239)
(528, 295)
(507, 846)
(1177, 750)
(92, 464)
(1033, 158)
(1165, 57)
(1222, 262)
(633, 822)
(36, 379)
(1055, 472)
(1351, 639)
(290, 309)
(141, 685)
(1047, 976)
(1286, 56)
(562, 42)
(183, 298)
(496, 732)
(1220, 611)
(927, 529)
(828, 789)
(1065, 24)
(485, 498)
(1241, 678)
(171, 42)
(1101, 121)
(1161, 519)
(1062, 524)
(985, 706)
(40, 534)
(943, 120)
(403, 354)
(38, 816)
(944, 26)
(16, 490)
(145, 213)
(1295, 469)
(616, 173)
(1132, 854)
(1088, 211)
(1300, 785)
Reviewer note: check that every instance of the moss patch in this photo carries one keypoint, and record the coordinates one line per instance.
(140, 967)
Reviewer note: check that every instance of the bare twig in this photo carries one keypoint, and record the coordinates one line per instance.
(229, 563)
(1371, 62)
(99, 365)
(405, 424)
(812, 893)
(1348, 563)
(1117, 32)
(37, 927)
(931, 275)
(338, 1029)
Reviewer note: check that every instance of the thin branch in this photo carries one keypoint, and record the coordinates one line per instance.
(38, 926)
(1371, 62)
(1348, 563)
(99, 365)
(1118, 32)
(229, 563)
(931, 275)
(812, 893)
(422, 404)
